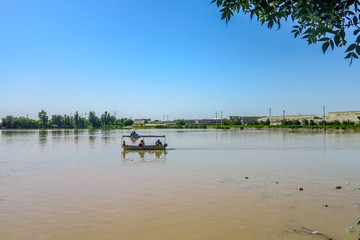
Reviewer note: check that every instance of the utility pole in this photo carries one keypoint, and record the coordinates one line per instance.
(269, 112)
(216, 118)
(283, 114)
(221, 118)
(163, 118)
(167, 117)
(324, 111)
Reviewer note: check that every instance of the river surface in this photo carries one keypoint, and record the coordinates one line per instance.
(209, 185)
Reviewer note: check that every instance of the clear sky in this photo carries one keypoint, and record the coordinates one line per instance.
(145, 58)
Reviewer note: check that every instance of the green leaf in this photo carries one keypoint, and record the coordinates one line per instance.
(351, 47)
(342, 34)
(325, 46)
(306, 36)
(308, 30)
(337, 40)
(348, 56)
(270, 24)
(357, 49)
(356, 31)
(355, 55)
(358, 39)
(332, 44)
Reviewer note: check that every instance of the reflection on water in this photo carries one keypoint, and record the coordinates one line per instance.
(149, 153)
(43, 135)
(143, 157)
(14, 133)
(216, 184)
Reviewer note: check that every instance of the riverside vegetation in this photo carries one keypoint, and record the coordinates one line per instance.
(108, 121)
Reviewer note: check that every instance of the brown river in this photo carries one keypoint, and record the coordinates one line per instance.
(209, 185)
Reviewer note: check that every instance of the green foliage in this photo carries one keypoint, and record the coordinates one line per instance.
(196, 126)
(225, 122)
(322, 123)
(267, 122)
(128, 122)
(160, 126)
(236, 122)
(315, 21)
(57, 120)
(305, 122)
(297, 122)
(68, 121)
(253, 123)
(76, 120)
(336, 122)
(312, 123)
(21, 122)
(94, 120)
(286, 122)
(222, 127)
(107, 119)
(118, 122)
(180, 122)
(43, 118)
(7, 122)
(348, 123)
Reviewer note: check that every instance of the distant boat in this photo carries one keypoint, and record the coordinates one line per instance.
(155, 146)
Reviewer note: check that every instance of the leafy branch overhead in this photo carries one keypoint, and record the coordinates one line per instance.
(316, 21)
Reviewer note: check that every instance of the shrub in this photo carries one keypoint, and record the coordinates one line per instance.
(225, 122)
(236, 122)
(305, 122)
(180, 122)
(128, 122)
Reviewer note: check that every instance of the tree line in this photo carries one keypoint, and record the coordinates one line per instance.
(65, 121)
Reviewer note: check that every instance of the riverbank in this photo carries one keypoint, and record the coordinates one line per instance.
(329, 128)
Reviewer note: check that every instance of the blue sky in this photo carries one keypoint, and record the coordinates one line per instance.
(153, 58)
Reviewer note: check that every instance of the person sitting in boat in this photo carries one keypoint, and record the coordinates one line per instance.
(133, 133)
(141, 144)
(158, 143)
(124, 144)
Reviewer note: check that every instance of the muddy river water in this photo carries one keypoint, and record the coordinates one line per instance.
(209, 185)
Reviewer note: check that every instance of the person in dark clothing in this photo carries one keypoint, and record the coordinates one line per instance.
(158, 143)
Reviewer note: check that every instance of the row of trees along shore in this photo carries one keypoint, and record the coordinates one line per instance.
(107, 121)
(304, 123)
(65, 121)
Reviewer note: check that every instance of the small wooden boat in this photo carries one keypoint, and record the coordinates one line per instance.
(145, 147)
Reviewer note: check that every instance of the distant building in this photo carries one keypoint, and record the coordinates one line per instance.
(208, 121)
(142, 120)
(196, 122)
(244, 119)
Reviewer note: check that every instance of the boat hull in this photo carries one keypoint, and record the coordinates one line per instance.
(144, 148)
